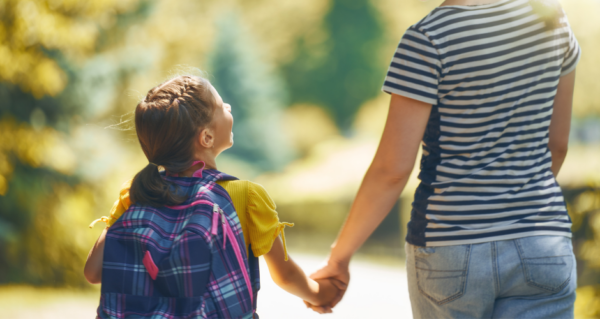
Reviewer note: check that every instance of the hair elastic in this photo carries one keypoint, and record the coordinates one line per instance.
(150, 163)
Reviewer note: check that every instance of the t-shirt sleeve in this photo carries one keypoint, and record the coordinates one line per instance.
(572, 54)
(119, 207)
(263, 221)
(415, 69)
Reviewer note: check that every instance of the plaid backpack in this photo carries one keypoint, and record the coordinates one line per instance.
(186, 261)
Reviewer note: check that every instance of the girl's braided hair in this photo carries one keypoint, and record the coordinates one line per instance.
(167, 122)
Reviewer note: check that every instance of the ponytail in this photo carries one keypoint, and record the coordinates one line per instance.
(149, 188)
(549, 12)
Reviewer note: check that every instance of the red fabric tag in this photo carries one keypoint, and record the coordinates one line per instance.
(150, 265)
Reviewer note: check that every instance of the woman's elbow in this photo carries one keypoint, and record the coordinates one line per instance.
(558, 149)
(392, 175)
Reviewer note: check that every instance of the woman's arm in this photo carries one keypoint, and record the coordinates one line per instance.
(290, 277)
(382, 184)
(560, 123)
(93, 266)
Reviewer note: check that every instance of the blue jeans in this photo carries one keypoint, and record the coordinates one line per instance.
(530, 277)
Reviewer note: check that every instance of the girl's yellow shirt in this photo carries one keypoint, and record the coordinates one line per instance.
(255, 208)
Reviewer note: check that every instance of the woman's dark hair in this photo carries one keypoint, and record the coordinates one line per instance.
(167, 122)
(549, 11)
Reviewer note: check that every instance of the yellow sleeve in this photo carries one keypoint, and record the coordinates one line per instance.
(263, 221)
(119, 207)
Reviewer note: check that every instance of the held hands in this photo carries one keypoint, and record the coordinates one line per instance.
(328, 292)
(333, 276)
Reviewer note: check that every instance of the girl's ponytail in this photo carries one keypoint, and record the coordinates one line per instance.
(549, 12)
(167, 122)
(149, 188)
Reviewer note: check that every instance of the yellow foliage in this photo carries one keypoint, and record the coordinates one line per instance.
(587, 304)
(44, 147)
(3, 185)
(586, 26)
(28, 28)
(308, 125)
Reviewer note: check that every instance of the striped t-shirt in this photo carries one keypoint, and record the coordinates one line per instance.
(491, 74)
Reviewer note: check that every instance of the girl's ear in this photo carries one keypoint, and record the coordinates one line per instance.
(206, 138)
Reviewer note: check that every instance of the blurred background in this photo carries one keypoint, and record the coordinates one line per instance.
(303, 78)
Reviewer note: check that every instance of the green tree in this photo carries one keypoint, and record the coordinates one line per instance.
(255, 93)
(341, 71)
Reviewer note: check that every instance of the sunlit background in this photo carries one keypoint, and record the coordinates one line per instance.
(303, 78)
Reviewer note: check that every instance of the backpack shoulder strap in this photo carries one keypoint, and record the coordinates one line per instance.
(219, 217)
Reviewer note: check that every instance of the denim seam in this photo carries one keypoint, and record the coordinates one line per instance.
(495, 267)
(526, 273)
(547, 257)
(457, 295)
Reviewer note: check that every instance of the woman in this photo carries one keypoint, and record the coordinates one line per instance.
(487, 87)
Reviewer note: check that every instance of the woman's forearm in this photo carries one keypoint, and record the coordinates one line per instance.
(377, 195)
(387, 176)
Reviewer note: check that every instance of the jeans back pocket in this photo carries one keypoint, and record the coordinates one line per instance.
(547, 261)
(442, 271)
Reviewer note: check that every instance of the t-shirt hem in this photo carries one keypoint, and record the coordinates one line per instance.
(573, 65)
(390, 90)
(494, 238)
(261, 251)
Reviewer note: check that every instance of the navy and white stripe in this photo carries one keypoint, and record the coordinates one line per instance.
(491, 74)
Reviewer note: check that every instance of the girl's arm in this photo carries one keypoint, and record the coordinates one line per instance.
(290, 277)
(382, 184)
(93, 266)
(560, 123)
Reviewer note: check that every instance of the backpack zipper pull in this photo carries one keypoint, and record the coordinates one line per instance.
(222, 216)
(223, 220)
(215, 219)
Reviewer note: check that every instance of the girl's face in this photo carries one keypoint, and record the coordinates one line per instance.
(221, 124)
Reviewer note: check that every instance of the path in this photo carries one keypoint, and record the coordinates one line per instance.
(376, 291)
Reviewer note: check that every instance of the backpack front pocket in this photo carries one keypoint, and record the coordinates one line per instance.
(442, 271)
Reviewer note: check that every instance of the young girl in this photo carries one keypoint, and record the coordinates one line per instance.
(183, 125)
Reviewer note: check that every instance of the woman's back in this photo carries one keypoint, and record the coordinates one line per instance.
(491, 73)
